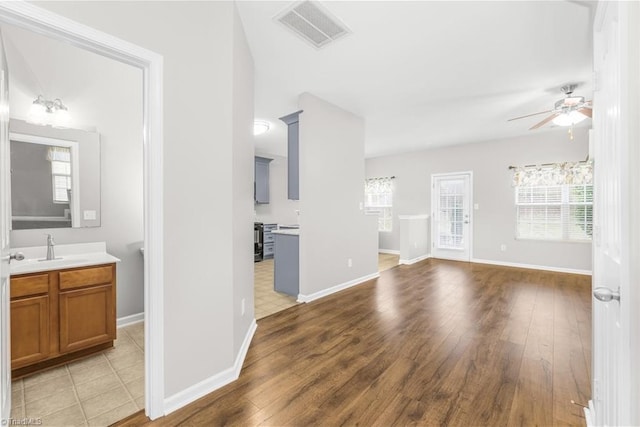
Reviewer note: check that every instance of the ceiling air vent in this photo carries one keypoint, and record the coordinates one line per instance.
(311, 21)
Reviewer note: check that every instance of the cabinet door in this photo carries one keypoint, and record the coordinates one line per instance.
(262, 182)
(293, 162)
(29, 330)
(87, 318)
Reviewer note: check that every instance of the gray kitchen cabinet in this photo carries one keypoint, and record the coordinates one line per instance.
(293, 154)
(268, 240)
(286, 271)
(261, 180)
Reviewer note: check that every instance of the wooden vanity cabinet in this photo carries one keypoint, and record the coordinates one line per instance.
(87, 307)
(62, 314)
(30, 319)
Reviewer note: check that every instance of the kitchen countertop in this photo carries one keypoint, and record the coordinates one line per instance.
(289, 231)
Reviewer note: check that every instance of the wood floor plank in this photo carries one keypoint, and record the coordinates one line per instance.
(434, 343)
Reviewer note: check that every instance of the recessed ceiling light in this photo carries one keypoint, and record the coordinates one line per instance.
(260, 127)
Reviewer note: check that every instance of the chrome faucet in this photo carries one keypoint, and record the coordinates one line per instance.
(50, 244)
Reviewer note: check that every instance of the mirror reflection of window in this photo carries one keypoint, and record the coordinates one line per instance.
(60, 158)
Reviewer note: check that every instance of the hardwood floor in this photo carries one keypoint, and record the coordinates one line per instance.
(434, 343)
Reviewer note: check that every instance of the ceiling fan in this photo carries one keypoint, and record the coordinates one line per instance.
(566, 112)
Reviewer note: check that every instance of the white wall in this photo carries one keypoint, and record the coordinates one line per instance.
(494, 222)
(333, 228)
(196, 40)
(242, 182)
(105, 96)
(279, 210)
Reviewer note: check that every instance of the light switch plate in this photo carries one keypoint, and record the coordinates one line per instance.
(89, 215)
(476, 206)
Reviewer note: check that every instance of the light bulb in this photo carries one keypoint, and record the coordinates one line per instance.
(62, 118)
(569, 119)
(37, 113)
(260, 127)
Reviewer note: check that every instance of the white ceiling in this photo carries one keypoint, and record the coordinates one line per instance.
(424, 74)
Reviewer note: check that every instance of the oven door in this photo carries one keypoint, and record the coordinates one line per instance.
(258, 244)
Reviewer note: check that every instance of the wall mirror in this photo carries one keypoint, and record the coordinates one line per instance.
(55, 177)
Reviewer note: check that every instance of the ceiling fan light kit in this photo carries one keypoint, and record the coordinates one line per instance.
(566, 112)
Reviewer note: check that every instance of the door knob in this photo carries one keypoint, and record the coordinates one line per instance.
(606, 294)
(18, 256)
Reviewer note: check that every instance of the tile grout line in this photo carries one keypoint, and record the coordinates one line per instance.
(133, 341)
(24, 400)
(123, 385)
(75, 393)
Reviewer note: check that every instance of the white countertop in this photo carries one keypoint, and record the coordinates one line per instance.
(67, 256)
(289, 231)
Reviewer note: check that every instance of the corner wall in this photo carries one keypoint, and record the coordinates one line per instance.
(494, 221)
(196, 40)
(242, 184)
(333, 227)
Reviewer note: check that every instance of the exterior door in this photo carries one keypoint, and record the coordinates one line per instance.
(5, 218)
(451, 216)
(615, 251)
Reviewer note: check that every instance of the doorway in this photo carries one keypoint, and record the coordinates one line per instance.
(451, 199)
(41, 21)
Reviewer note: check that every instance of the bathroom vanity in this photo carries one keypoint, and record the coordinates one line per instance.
(61, 309)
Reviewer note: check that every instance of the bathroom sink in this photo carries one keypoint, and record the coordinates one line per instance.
(68, 256)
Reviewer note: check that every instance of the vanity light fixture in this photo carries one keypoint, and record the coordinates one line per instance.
(46, 112)
(260, 127)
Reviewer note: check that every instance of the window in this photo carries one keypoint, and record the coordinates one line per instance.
(557, 204)
(378, 199)
(60, 159)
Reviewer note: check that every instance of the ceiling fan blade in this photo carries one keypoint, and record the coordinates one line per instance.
(529, 115)
(544, 122)
(587, 111)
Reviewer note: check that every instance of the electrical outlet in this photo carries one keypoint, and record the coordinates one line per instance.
(242, 304)
(349, 263)
(503, 247)
(89, 215)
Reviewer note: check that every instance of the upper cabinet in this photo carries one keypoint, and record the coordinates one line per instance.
(293, 161)
(261, 180)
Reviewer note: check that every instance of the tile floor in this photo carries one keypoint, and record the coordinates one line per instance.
(268, 301)
(387, 261)
(96, 391)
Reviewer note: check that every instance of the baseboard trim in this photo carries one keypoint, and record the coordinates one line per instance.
(389, 251)
(130, 320)
(532, 266)
(213, 383)
(589, 415)
(414, 260)
(337, 288)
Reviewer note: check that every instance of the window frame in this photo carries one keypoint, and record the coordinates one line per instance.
(384, 212)
(565, 206)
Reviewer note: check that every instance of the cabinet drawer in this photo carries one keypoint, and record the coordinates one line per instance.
(29, 285)
(268, 249)
(268, 238)
(269, 227)
(86, 277)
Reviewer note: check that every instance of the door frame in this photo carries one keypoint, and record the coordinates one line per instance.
(626, 411)
(433, 205)
(49, 24)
